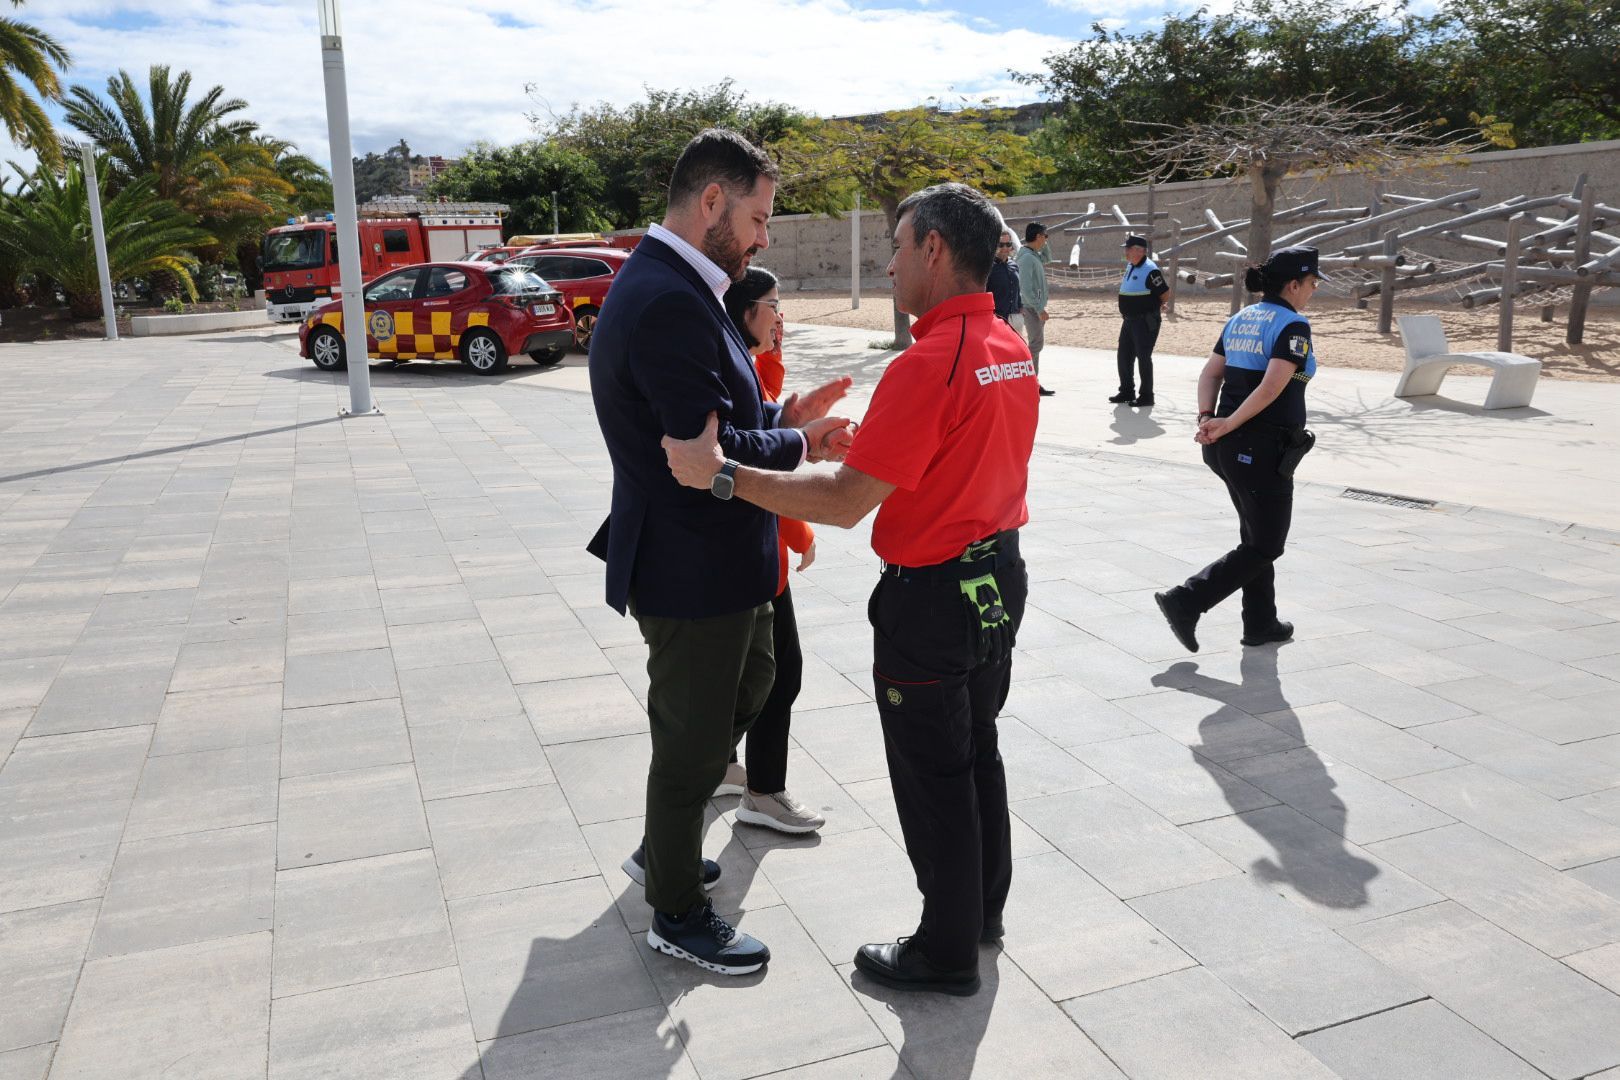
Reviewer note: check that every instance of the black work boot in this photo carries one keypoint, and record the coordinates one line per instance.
(1279, 631)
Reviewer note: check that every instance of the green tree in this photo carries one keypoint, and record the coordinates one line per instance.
(523, 177)
(892, 155)
(30, 58)
(46, 229)
(635, 147)
(378, 176)
(1183, 72)
(1550, 68)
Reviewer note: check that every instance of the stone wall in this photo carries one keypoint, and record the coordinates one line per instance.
(812, 252)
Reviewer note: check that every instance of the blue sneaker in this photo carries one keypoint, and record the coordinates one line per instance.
(636, 867)
(708, 941)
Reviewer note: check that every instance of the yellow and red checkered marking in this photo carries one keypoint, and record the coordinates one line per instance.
(439, 343)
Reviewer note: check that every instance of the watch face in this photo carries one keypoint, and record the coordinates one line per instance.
(721, 486)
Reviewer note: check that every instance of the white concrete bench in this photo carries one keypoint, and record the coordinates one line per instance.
(1513, 377)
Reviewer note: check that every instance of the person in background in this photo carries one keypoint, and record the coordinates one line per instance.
(1143, 293)
(754, 305)
(1032, 260)
(1003, 283)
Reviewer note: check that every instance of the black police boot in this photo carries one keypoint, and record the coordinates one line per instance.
(1279, 631)
(1124, 397)
(1144, 402)
(902, 966)
(1183, 620)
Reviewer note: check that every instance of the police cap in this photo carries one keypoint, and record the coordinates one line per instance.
(1135, 241)
(1292, 262)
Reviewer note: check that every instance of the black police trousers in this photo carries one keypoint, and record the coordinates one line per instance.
(1246, 461)
(1137, 336)
(939, 690)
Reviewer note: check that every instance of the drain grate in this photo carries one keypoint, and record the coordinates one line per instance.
(1385, 498)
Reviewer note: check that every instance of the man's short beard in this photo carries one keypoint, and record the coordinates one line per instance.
(721, 245)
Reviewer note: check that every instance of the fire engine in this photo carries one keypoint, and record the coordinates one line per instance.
(300, 258)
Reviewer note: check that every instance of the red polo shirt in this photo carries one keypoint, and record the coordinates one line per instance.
(951, 426)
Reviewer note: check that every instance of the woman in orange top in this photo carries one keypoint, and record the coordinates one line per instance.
(753, 304)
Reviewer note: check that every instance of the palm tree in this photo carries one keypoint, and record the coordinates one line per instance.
(28, 56)
(46, 230)
(173, 141)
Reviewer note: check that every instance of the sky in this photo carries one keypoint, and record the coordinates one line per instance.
(442, 75)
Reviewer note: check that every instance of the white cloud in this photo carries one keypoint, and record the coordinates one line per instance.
(442, 76)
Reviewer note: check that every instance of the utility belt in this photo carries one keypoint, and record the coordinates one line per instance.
(978, 559)
(973, 573)
(1295, 442)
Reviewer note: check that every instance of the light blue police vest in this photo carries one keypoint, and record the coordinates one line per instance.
(1252, 333)
(1134, 283)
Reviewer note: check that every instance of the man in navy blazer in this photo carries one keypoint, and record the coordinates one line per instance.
(696, 568)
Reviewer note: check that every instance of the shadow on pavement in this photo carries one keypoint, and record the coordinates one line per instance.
(940, 1034)
(179, 448)
(1332, 877)
(1133, 425)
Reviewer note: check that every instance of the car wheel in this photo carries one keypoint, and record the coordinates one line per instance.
(547, 357)
(584, 326)
(483, 352)
(326, 349)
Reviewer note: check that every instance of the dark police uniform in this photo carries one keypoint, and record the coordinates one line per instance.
(1139, 292)
(1248, 460)
(951, 425)
(1003, 285)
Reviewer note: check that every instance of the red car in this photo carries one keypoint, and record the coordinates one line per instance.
(478, 313)
(582, 274)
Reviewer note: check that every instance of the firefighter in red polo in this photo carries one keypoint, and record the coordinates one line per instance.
(944, 456)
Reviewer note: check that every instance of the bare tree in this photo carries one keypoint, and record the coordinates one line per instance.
(1266, 141)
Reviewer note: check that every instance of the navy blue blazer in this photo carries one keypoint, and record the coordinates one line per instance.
(664, 355)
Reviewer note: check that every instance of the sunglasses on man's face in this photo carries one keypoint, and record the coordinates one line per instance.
(1008, 244)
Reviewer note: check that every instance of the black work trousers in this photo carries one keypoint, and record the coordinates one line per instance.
(768, 738)
(938, 694)
(1246, 461)
(1137, 336)
(709, 678)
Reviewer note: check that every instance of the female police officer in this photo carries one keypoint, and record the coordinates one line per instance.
(1252, 440)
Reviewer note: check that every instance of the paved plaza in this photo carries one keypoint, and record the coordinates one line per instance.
(322, 751)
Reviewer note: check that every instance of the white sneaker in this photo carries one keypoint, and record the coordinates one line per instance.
(736, 781)
(781, 812)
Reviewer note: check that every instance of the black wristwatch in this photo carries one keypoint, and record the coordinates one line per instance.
(724, 480)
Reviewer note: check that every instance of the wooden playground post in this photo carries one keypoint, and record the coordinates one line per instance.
(1175, 266)
(1582, 293)
(1386, 283)
(1510, 285)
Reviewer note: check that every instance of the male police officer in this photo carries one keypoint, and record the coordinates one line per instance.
(1142, 296)
(945, 451)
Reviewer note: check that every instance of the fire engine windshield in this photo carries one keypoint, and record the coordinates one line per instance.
(304, 250)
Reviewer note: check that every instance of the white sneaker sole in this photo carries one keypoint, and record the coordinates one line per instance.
(637, 875)
(728, 789)
(754, 817)
(679, 953)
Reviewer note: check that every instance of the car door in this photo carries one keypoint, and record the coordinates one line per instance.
(395, 294)
(445, 290)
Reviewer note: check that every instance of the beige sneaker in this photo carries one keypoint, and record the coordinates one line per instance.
(736, 781)
(781, 812)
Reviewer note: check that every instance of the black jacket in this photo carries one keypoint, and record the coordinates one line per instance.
(1004, 287)
(664, 355)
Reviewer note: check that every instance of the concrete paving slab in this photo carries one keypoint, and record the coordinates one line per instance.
(1570, 1027)
(29, 1063)
(42, 950)
(1188, 1025)
(643, 1042)
(334, 817)
(1421, 1041)
(1559, 835)
(502, 840)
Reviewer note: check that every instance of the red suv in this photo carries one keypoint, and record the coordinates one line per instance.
(582, 274)
(478, 313)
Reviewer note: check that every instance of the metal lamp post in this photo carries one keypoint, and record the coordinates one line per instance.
(345, 216)
(98, 233)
